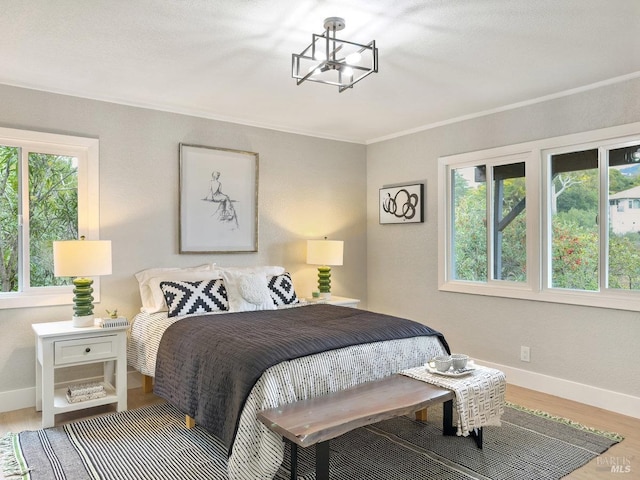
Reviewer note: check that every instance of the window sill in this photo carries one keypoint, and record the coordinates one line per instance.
(54, 296)
(618, 301)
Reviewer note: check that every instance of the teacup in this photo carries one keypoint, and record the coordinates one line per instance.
(443, 363)
(459, 360)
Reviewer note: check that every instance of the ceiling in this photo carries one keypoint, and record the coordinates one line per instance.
(439, 60)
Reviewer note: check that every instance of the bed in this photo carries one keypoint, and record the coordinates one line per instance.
(160, 339)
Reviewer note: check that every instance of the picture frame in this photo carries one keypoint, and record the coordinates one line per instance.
(401, 204)
(218, 200)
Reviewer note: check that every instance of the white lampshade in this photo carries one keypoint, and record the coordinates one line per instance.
(81, 258)
(325, 252)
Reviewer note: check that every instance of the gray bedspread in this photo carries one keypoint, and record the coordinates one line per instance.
(208, 364)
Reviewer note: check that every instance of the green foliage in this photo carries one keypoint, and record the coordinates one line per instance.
(624, 261)
(9, 157)
(575, 256)
(470, 245)
(514, 251)
(575, 234)
(53, 207)
(53, 211)
(513, 245)
(587, 219)
(514, 191)
(619, 182)
(470, 237)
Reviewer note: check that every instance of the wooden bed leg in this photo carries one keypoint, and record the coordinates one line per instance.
(421, 415)
(147, 384)
(189, 422)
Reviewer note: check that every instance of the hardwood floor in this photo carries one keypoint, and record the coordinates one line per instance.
(624, 453)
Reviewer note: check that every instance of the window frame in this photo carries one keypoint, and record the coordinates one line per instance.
(536, 155)
(86, 150)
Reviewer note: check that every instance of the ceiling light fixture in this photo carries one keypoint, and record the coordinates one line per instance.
(333, 61)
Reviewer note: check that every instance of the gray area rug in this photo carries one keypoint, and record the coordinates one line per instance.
(152, 443)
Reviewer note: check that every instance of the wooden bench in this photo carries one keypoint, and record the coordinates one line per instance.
(316, 421)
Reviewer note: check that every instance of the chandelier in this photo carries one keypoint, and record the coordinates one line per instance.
(333, 61)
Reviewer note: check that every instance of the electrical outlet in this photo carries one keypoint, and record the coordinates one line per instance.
(525, 354)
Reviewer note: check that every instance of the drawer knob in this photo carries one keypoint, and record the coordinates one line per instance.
(87, 350)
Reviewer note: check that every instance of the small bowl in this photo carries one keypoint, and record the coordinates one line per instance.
(459, 360)
(442, 363)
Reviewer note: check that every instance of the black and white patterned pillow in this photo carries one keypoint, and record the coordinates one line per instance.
(185, 298)
(281, 290)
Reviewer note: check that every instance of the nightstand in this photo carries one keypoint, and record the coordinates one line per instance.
(335, 300)
(61, 345)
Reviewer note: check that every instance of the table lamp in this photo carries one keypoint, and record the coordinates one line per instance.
(325, 253)
(82, 259)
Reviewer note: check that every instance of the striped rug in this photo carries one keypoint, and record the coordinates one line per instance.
(152, 443)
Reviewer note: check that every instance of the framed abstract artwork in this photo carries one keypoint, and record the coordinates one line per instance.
(218, 200)
(402, 204)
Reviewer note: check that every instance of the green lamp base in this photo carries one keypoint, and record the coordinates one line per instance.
(82, 302)
(324, 282)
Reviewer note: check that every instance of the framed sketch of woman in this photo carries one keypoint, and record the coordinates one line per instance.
(218, 200)
(225, 212)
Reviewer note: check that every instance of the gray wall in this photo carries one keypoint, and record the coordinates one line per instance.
(308, 188)
(592, 346)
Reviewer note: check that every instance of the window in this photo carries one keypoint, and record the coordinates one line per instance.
(48, 191)
(489, 222)
(573, 213)
(552, 220)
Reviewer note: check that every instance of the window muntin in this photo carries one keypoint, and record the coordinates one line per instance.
(49, 186)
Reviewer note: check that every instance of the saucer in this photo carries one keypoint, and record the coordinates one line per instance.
(451, 373)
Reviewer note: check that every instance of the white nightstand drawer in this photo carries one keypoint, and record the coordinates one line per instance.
(85, 350)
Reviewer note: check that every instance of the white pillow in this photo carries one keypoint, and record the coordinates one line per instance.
(267, 270)
(151, 296)
(254, 289)
(247, 291)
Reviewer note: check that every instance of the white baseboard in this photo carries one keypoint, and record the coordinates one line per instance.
(579, 392)
(597, 397)
(17, 399)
